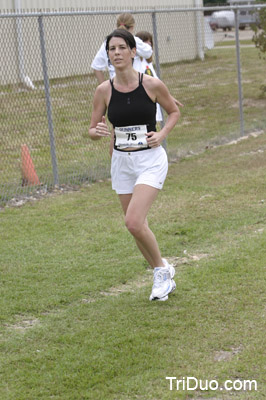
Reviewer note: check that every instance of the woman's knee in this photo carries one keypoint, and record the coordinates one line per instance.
(133, 225)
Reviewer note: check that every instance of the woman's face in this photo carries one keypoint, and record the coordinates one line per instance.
(120, 53)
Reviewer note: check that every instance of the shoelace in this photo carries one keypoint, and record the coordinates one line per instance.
(159, 277)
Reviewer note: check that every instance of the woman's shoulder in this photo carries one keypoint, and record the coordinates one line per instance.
(151, 82)
(103, 86)
(103, 91)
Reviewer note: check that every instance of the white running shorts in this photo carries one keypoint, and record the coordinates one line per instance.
(147, 167)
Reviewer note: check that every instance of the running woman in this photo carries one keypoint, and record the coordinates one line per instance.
(139, 162)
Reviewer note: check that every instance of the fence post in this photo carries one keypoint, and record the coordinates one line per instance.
(20, 45)
(157, 63)
(156, 47)
(48, 101)
(199, 33)
(240, 94)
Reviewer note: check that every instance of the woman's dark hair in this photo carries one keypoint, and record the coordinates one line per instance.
(123, 34)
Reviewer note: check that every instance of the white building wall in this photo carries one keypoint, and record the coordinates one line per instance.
(72, 41)
(96, 4)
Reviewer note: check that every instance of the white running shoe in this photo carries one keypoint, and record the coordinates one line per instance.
(170, 266)
(163, 284)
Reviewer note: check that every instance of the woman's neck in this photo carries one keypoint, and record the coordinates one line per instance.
(127, 80)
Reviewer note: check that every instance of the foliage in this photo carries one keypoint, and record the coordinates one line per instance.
(210, 3)
(213, 3)
(259, 37)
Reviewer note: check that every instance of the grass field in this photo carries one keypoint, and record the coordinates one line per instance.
(233, 43)
(76, 322)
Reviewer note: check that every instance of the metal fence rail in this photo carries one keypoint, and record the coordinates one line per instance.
(47, 86)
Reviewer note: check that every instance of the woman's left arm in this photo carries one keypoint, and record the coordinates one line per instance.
(164, 98)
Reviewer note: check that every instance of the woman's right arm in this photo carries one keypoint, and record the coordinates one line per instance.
(98, 127)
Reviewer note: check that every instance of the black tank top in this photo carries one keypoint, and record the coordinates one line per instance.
(132, 108)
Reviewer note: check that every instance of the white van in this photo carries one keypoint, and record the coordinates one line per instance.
(222, 19)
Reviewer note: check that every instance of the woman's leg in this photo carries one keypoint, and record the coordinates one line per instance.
(125, 199)
(136, 207)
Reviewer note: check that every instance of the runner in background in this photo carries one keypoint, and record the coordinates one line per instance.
(101, 62)
(146, 66)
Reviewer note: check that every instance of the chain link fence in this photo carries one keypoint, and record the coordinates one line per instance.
(47, 86)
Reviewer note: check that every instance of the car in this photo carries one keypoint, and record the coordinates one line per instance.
(222, 19)
(226, 19)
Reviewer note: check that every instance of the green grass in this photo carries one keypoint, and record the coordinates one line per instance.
(233, 43)
(76, 322)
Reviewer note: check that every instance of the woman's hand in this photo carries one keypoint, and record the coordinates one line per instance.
(154, 139)
(102, 128)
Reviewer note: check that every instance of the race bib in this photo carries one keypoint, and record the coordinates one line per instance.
(131, 136)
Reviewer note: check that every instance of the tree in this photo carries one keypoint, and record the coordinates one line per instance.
(214, 3)
(259, 37)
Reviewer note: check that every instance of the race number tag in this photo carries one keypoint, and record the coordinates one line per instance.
(131, 136)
